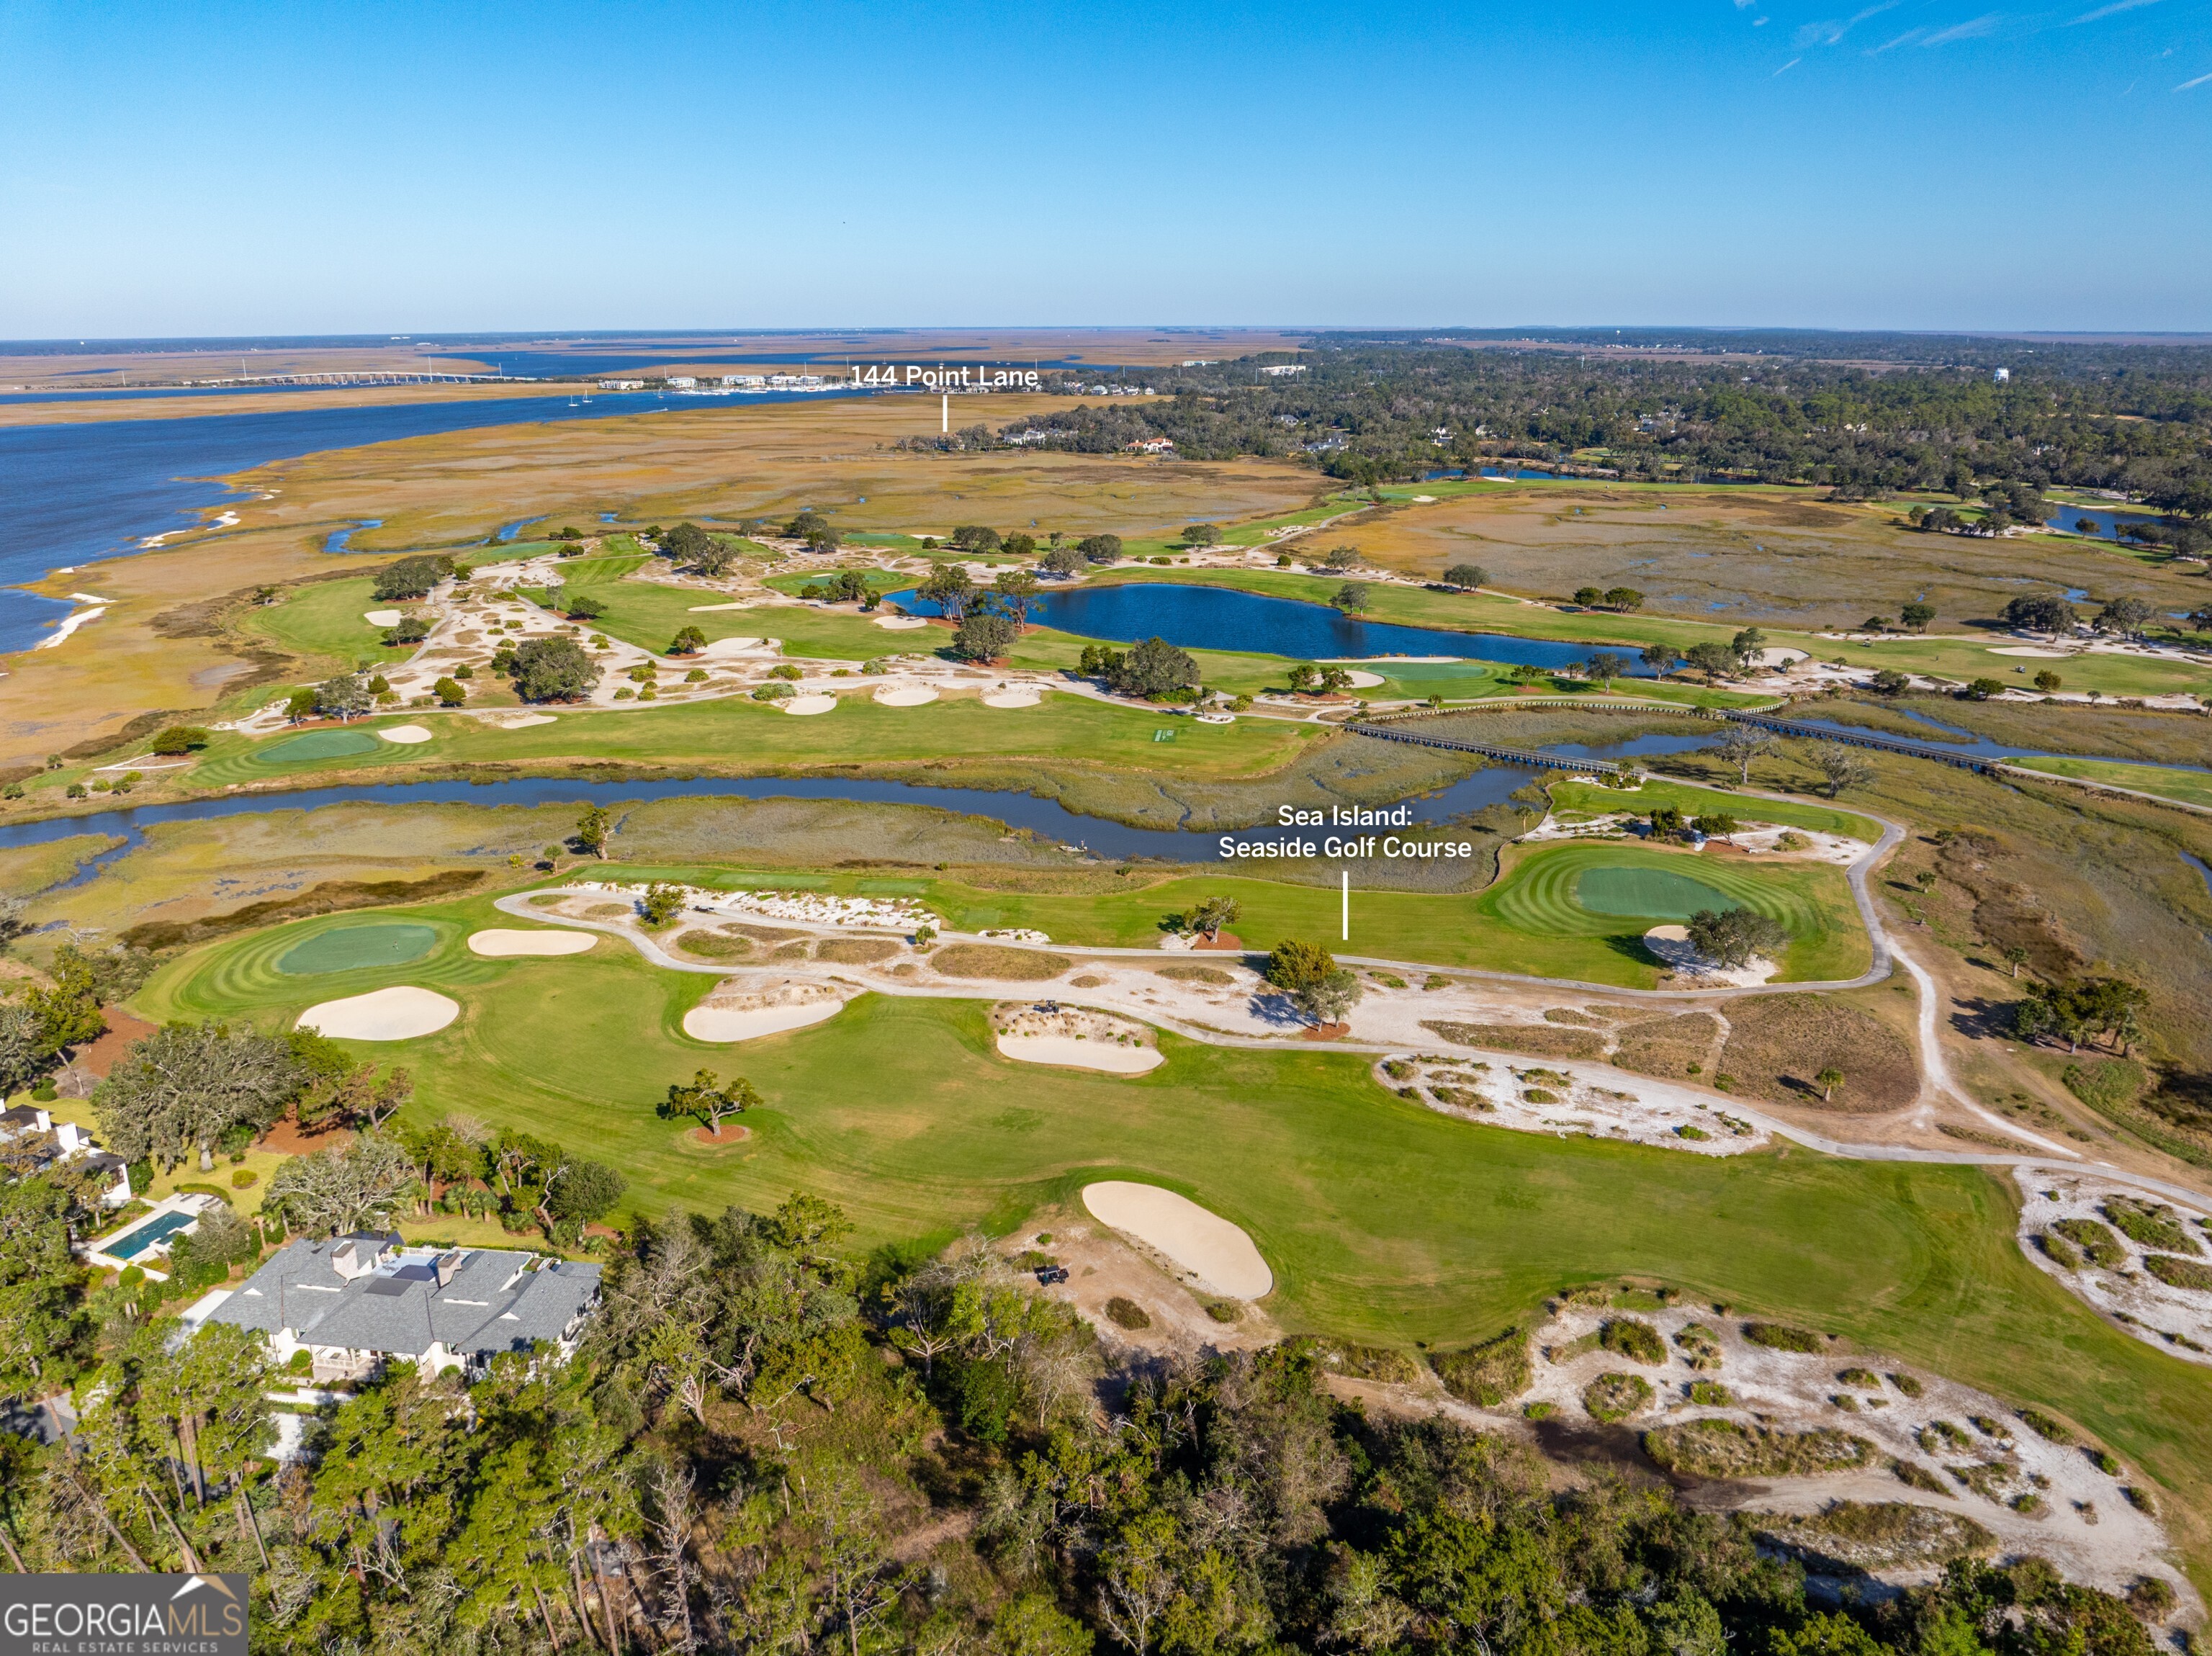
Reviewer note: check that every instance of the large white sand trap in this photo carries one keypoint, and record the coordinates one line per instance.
(407, 733)
(1068, 1051)
(2032, 650)
(380, 617)
(1672, 944)
(901, 623)
(731, 646)
(400, 1013)
(518, 721)
(804, 705)
(704, 608)
(1364, 680)
(1219, 1255)
(499, 942)
(1026, 695)
(907, 695)
(712, 1022)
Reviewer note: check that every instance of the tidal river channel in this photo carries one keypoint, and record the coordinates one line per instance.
(1099, 836)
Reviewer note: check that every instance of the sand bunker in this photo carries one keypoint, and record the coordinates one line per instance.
(518, 721)
(1364, 680)
(2031, 650)
(746, 1019)
(1073, 1053)
(804, 705)
(704, 608)
(407, 733)
(1218, 1255)
(906, 695)
(1027, 695)
(901, 623)
(500, 943)
(380, 617)
(1672, 944)
(731, 646)
(400, 1013)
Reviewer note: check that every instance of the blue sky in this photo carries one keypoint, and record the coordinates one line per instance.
(242, 168)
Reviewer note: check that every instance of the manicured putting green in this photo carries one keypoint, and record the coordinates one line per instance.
(1658, 893)
(349, 947)
(317, 745)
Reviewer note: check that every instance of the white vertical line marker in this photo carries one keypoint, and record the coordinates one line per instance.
(1347, 905)
(944, 414)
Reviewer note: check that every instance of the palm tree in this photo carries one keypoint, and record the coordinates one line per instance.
(1829, 1079)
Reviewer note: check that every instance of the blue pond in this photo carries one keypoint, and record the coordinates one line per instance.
(1222, 618)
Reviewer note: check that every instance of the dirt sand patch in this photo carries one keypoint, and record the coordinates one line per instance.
(1211, 1252)
(399, 1013)
(1024, 697)
(722, 648)
(2067, 1228)
(1772, 1431)
(500, 943)
(1777, 1044)
(1538, 1100)
(701, 1138)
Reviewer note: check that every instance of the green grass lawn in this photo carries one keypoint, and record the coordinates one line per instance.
(742, 736)
(1528, 922)
(323, 620)
(1382, 1220)
(2166, 782)
(1538, 897)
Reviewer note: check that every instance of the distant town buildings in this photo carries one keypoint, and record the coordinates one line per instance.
(1152, 446)
(621, 385)
(354, 1303)
(1281, 370)
(682, 382)
(2002, 375)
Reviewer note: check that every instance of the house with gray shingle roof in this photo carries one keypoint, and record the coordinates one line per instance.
(355, 1303)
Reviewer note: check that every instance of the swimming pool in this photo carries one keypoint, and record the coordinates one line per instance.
(150, 1235)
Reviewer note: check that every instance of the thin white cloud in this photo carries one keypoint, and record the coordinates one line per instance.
(1787, 67)
(2113, 10)
(1972, 30)
(1830, 31)
(1760, 22)
(1905, 39)
(2186, 85)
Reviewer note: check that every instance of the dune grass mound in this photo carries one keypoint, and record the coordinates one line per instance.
(352, 948)
(315, 746)
(1729, 1449)
(982, 959)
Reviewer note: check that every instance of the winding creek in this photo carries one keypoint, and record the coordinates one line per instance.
(1100, 835)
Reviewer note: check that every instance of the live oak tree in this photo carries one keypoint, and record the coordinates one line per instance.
(592, 828)
(2040, 612)
(1733, 936)
(1841, 767)
(410, 578)
(345, 697)
(950, 588)
(335, 1191)
(1322, 990)
(183, 1087)
(1661, 657)
(985, 635)
(705, 1096)
(1352, 597)
(1741, 744)
(554, 669)
(1466, 576)
(1100, 549)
